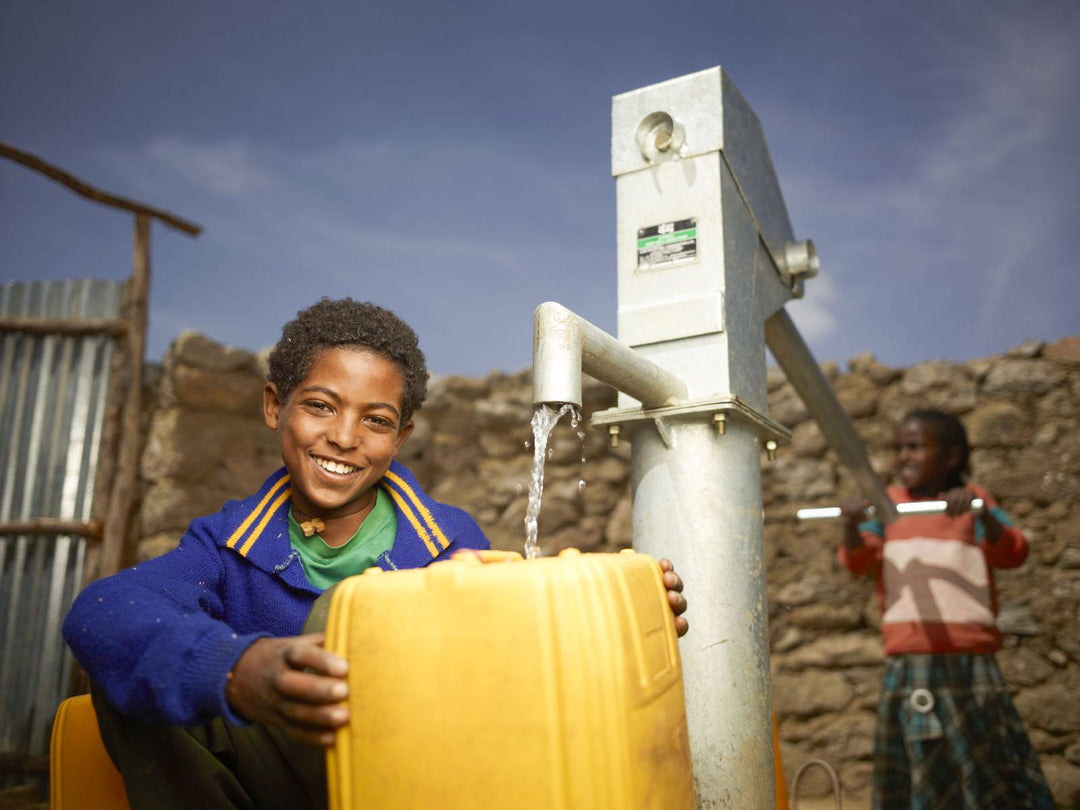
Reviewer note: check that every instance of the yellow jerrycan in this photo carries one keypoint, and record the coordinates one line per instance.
(488, 681)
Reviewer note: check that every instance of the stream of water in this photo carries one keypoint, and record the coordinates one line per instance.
(545, 417)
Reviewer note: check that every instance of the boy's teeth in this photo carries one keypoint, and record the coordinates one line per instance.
(335, 466)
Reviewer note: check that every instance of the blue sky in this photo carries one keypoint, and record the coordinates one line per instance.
(452, 161)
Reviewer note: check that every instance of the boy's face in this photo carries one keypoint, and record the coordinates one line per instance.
(339, 430)
(922, 465)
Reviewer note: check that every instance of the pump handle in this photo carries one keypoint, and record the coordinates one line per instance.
(913, 508)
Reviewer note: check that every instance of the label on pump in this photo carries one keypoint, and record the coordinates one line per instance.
(667, 244)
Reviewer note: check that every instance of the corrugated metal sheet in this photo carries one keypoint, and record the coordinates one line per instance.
(52, 403)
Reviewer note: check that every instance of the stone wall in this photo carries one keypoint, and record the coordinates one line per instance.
(206, 442)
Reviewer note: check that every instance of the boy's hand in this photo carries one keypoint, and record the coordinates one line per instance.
(675, 598)
(294, 684)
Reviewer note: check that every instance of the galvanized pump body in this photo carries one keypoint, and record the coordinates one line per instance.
(706, 262)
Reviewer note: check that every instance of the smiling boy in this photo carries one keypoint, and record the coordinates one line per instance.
(208, 691)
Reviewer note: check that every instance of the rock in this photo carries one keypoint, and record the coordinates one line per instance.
(999, 424)
(607, 469)
(858, 396)
(617, 534)
(790, 639)
(798, 593)
(774, 378)
(823, 616)
(1027, 349)
(207, 389)
(185, 445)
(193, 349)
(786, 407)
(868, 366)
(1058, 409)
(1027, 475)
(1017, 620)
(833, 652)
(1023, 667)
(1064, 781)
(1072, 753)
(808, 440)
(1066, 350)
(1070, 558)
(803, 479)
(877, 433)
(850, 737)
(1044, 743)
(1050, 707)
(170, 507)
(940, 384)
(808, 694)
(1019, 378)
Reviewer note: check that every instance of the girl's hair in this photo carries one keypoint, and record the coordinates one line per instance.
(949, 433)
(350, 324)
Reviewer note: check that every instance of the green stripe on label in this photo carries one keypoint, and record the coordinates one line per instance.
(667, 238)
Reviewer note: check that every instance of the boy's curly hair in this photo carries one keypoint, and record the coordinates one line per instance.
(351, 324)
(949, 432)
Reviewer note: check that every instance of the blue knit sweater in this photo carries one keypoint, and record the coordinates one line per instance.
(160, 638)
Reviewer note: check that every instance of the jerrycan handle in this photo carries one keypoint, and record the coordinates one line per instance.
(478, 557)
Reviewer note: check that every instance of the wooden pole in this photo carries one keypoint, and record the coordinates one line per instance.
(43, 526)
(60, 326)
(122, 494)
(97, 195)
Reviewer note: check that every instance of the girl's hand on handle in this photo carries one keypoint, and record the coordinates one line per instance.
(853, 512)
(957, 501)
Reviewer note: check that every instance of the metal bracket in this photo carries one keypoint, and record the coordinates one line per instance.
(718, 410)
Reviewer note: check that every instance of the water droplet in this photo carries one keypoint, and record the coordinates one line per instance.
(550, 453)
(581, 486)
(528, 445)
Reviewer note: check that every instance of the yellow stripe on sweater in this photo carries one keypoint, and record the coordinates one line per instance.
(416, 524)
(429, 519)
(284, 496)
(243, 527)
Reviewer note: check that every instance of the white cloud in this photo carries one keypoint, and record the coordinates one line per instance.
(229, 168)
(814, 315)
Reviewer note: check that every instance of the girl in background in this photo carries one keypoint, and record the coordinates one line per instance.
(947, 734)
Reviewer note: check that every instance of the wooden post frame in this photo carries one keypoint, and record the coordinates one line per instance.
(122, 492)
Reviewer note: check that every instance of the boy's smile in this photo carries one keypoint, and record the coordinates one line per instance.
(339, 430)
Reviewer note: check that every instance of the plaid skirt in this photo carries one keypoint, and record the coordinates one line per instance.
(948, 736)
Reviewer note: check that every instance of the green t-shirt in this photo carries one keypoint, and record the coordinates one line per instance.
(326, 565)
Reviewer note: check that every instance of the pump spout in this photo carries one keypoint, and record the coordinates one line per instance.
(565, 345)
